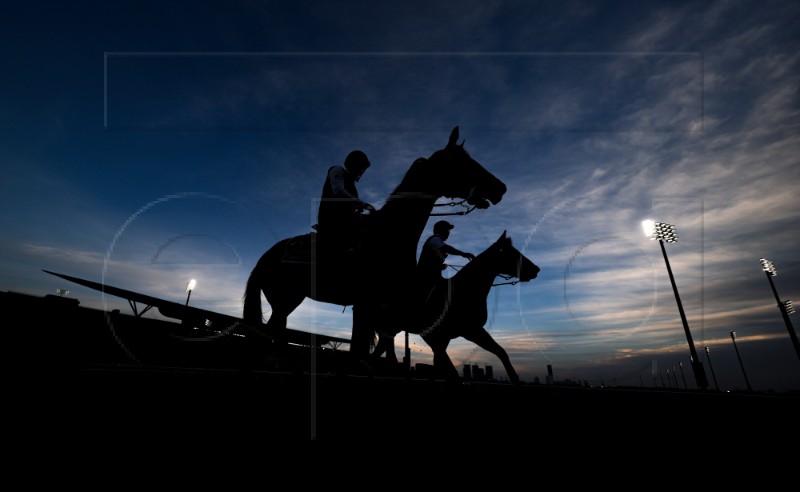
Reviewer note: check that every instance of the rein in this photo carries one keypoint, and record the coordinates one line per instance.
(504, 277)
(454, 204)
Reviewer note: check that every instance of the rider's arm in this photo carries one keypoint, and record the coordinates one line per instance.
(453, 251)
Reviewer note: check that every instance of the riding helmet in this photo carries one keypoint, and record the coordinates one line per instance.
(356, 162)
(442, 226)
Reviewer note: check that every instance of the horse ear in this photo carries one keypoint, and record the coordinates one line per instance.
(453, 137)
(503, 236)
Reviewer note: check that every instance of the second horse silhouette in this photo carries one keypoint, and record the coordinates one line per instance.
(457, 308)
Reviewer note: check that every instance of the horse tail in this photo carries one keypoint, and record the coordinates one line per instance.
(255, 283)
(252, 314)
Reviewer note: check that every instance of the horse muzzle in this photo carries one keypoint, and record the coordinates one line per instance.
(528, 273)
(482, 199)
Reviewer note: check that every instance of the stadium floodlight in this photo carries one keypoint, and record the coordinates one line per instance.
(666, 233)
(786, 308)
(660, 230)
(189, 288)
(768, 267)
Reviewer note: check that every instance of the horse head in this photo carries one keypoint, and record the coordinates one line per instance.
(513, 263)
(461, 176)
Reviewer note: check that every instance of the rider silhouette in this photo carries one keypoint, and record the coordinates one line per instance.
(339, 216)
(432, 257)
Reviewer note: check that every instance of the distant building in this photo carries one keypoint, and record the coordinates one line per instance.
(474, 372)
(477, 373)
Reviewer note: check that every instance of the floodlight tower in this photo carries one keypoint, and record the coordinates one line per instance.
(666, 232)
(189, 287)
(741, 364)
(786, 308)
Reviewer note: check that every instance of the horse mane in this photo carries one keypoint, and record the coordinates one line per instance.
(505, 240)
(414, 176)
(484, 254)
(411, 178)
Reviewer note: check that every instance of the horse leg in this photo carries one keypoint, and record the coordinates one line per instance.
(388, 342)
(363, 318)
(282, 306)
(484, 340)
(441, 361)
(385, 345)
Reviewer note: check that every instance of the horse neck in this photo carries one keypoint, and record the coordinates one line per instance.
(405, 213)
(479, 274)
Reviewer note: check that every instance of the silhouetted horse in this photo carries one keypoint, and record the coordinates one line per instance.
(457, 308)
(378, 281)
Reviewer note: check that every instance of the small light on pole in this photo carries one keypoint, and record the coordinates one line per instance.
(786, 308)
(708, 355)
(733, 337)
(666, 233)
(683, 376)
(189, 287)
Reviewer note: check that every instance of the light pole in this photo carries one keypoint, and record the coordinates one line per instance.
(189, 287)
(785, 307)
(666, 232)
(683, 376)
(708, 356)
(733, 337)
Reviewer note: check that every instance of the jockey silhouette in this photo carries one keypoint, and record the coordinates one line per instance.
(339, 216)
(432, 257)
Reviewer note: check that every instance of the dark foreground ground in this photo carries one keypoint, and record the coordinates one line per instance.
(89, 372)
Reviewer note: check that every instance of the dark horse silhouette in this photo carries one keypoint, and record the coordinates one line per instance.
(457, 308)
(378, 280)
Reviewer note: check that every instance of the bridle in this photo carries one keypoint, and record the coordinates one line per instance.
(501, 275)
(457, 204)
(454, 204)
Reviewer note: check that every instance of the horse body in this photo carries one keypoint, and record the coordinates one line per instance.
(392, 233)
(295, 279)
(457, 308)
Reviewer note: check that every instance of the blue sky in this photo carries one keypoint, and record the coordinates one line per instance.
(146, 143)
